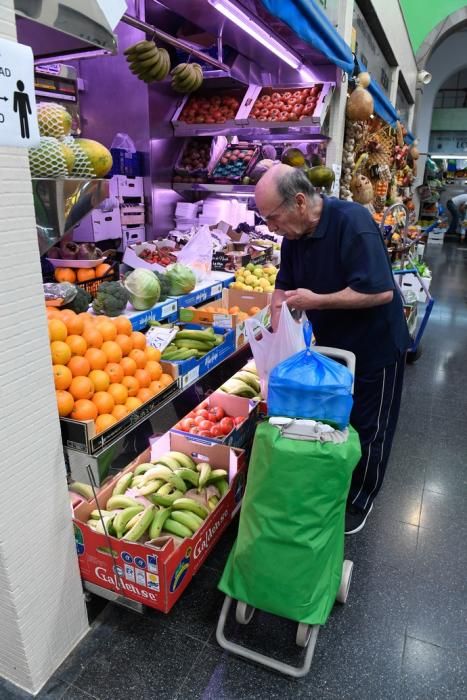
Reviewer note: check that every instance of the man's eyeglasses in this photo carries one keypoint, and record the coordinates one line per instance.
(268, 217)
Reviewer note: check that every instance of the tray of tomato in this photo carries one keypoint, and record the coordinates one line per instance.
(306, 105)
(199, 113)
(222, 418)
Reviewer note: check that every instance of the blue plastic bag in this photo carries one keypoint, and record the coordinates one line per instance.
(310, 385)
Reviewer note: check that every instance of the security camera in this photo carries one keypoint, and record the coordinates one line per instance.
(424, 77)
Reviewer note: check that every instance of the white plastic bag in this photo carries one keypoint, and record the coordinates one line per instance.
(273, 348)
(197, 254)
(122, 140)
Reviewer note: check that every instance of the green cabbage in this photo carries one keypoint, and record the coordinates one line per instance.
(182, 280)
(144, 289)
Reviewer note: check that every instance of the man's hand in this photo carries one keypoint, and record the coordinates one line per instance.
(303, 299)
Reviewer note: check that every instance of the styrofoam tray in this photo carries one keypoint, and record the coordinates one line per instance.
(59, 262)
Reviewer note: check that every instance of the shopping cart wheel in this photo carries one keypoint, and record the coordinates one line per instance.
(343, 591)
(244, 612)
(303, 635)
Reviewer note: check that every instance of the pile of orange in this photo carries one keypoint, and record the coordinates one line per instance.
(81, 274)
(102, 369)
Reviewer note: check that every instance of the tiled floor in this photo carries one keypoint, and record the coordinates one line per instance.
(402, 633)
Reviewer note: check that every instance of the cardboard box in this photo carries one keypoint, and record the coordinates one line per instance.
(233, 406)
(410, 282)
(132, 214)
(81, 435)
(132, 235)
(232, 297)
(98, 226)
(154, 576)
(124, 187)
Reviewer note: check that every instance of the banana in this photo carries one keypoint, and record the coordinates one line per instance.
(95, 515)
(165, 500)
(185, 517)
(150, 52)
(188, 475)
(81, 489)
(177, 482)
(186, 83)
(183, 460)
(212, 502)
(123, 518)
(166, 490)
(137, 481)
(149, 62)
(168, 461)
(249, 379)
(157, 472)
(122, 484)
(150, 487)
(143, 468)
(102, 526)
(92, 524)
(204, 472)
(217, 474)
(139, 47)
(158, 523)
(133, 520)
(193, 506)
(116, 502)
(223, 486)
(141, 526)
(174, 528)
(181, 71)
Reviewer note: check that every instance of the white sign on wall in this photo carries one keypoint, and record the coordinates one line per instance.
(448, 142)
(18, 113)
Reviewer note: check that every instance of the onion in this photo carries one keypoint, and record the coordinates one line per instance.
(88, 251)
(68, 250)
(364, 79)
(359, 105)
(54, 253)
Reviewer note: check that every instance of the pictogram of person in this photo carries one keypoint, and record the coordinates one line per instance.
(22, 106)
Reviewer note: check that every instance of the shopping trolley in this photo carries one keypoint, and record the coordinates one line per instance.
(310, 437)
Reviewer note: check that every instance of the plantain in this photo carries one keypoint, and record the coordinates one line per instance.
(158, 522)
(122, 484)
(193, 506)
(185, 517)
(141, 526)
(204, 473)
(175, 528)
(123, 518)
(189, 475)
(139, 47)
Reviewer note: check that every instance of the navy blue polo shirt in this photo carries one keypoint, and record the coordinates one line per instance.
(347, 250)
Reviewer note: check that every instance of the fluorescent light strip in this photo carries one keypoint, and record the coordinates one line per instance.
(242, 20)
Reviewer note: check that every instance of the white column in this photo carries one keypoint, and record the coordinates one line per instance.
(42, 611)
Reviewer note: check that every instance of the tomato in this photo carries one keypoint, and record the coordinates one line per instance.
(199, 120)
(206, 424)
(284, 116)
(315, 90)
(266, 98)
(239, 419)
(227, 424)
(217, 431)
(194, 430)
(276, 97)
(199, 420)
(293, 116)
(292, 102)
(298, 109)
(264, 112)
(216, 100)
(297, 95)
(305, 92)
(216, 413)
(286, 96)
(178, 426)
(205, 433)
(201, 412)
(280, 105)
(186, 424)
(307, 110)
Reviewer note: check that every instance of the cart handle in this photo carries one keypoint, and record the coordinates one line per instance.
(335, 353)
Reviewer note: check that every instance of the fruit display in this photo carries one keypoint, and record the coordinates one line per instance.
(162, 256)
(69, 250)
(215, 109)
(147, 61)
(245, 383)
(209, 421)
(286, 105)
(170, 496)
(187, 77)
(255, 278)
(235, 162)
(111, 299)
(190, 343)
(232, 311)
(81, 274)
(102, 369)
(193, 161)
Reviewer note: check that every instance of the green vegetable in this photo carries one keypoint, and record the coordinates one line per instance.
(111, 299)
(80, 303)
(143, 288)
(164, 283)
(182, 280)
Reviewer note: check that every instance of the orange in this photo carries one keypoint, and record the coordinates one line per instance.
(119, 393)
(77, 344)
(61, 352)
(156, 387)
(114, 372)
(85, 273)
(120, 411)
(104, 402)
(84, 410)
(100, 379)
(52, 312)
(107, 328)
(79, 367)
(65, 402)
(57, 330)
(123, 325)
(126, 344)
(133, 403)
(92, 336)
(62, 376)
(166, 379)
(112, 350)
(145, 394)
(87, 317)
(143, 377)
(74, 324)
(128, 365)
(139, 340)
(139, 357)
(154, 369)
(65, 274)
(104, 421)
(96, 358)
(152, 353)
(81, 388)
(132, 385)
(102, 269)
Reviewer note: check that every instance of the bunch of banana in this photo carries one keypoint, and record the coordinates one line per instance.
(178, 496)
(147, 61)
(245, 382)
(192, 343)
(187, 77)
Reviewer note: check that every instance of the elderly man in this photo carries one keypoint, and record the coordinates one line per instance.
(335, 267)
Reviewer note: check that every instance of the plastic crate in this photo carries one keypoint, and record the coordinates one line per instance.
(92, 286)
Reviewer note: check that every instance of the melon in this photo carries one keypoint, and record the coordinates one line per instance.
(54, 120)
(293, 157)
(98, 155)
(69, 157)
(47, 159)
(320, 176)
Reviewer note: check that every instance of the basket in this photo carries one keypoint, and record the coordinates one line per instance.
(92, 286)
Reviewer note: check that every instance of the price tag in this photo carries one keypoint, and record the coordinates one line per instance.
(190, 376)
(160, 338)
(168, 309)
(216, 289)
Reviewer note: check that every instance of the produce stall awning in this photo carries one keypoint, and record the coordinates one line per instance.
(383, 107)
(309, 22)
(409, 138)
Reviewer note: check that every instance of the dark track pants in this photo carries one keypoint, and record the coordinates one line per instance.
(453, 210)
(377, 398)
